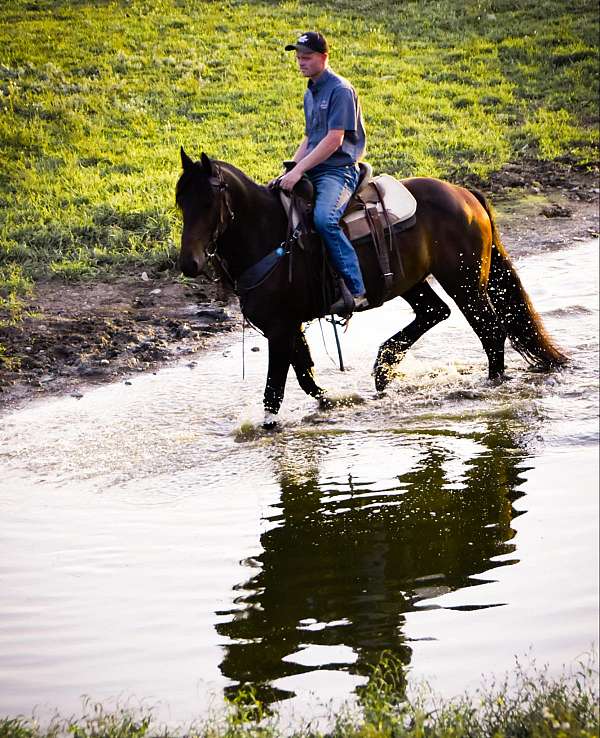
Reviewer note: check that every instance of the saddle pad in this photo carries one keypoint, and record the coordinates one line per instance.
(399, 204)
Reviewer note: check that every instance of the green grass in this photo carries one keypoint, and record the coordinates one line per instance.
(531, 704)
(97, 96)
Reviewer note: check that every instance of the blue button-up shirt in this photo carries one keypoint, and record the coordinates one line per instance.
(331, 103)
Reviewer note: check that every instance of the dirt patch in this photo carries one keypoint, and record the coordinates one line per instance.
(76, 335)
(530, 175)
(81, 334)
(543, 221)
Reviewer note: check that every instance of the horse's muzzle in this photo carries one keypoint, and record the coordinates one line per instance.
(190, 265)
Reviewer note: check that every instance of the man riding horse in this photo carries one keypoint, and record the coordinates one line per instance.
(454, 238)
(333, 143)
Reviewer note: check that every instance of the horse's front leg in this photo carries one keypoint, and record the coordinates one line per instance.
(280, 358)
(304, 368)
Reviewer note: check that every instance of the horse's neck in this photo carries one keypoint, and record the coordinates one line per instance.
(259, 223)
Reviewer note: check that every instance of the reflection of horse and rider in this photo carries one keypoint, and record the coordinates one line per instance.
(341, 564)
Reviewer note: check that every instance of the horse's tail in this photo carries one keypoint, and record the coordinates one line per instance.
(519, 318)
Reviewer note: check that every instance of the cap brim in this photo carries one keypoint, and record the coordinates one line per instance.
(303, 49)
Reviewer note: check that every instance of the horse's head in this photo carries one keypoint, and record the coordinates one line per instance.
(202, 197)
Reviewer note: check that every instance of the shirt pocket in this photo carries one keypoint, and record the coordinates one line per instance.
(319, 117)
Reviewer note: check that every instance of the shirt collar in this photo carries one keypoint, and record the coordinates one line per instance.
(314, 87)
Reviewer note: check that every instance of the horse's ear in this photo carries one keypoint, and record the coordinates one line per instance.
(207, 164)
(186, 162)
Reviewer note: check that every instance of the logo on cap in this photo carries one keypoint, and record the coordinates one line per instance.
(311, 41)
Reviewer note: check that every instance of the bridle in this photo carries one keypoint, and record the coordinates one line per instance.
(226, 217)
(226, 214)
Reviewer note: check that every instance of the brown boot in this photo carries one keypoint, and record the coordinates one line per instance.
(345, 306)
(361, 302)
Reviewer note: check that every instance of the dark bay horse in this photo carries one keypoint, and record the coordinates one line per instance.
(237, 223)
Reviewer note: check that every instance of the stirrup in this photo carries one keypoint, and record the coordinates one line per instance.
(344, 305)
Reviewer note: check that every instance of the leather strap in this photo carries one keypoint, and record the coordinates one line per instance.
(390, 230)
(302, 208)
(381, 249)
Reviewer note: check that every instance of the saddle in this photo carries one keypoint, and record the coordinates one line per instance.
(379, 209)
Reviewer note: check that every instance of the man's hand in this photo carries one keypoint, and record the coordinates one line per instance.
(290, 179)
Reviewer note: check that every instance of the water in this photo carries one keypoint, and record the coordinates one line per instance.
(154, 545)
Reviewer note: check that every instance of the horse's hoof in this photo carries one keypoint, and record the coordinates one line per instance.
(382, 378)
(499, 379)
(325, 403)
(381, 386)
(270, 422)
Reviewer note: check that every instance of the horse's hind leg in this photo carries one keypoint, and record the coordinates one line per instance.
(430, 310)
(475, 305)
(304, 368)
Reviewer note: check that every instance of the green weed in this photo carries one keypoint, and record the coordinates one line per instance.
(13, 284)
(530, 704)
(97, 97)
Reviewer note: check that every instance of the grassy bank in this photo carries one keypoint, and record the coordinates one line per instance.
(528, 705)
(97, 96)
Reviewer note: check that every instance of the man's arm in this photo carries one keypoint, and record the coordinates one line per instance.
(301, 150)
(322, 151)
(299, 154)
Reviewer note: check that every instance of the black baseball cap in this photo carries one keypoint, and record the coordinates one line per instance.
(311, 42)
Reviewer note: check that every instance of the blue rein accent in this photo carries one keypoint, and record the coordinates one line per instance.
(257, 273)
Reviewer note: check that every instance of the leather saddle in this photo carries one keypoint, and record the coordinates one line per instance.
(378, 210)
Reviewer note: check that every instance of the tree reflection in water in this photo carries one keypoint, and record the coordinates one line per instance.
(343, 561)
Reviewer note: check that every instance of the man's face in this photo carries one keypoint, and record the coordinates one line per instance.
(311, 64)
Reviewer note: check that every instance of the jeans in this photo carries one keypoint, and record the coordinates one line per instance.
(334, 187)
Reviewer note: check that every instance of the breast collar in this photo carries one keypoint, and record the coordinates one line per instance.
(255, 275)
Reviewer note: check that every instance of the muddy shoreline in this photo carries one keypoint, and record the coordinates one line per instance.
(77, 336)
